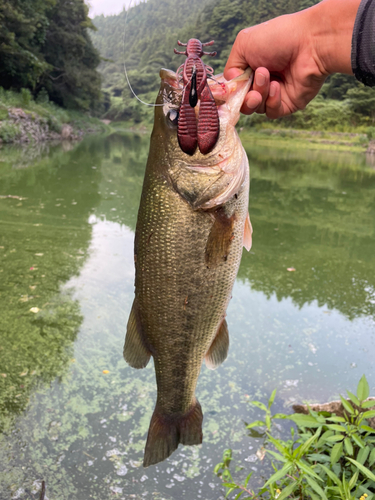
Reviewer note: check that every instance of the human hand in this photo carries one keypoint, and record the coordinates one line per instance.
(292, 56)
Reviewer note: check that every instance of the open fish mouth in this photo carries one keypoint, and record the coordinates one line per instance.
(228, 94)
(227, 157)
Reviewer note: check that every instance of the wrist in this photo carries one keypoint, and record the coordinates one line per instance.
(332, 23)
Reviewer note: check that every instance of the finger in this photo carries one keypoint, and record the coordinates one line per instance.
(275, 106)
(232, 73)
(251, 103)
(262, 85)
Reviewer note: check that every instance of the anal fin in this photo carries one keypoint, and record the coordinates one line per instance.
(167, 431)
(218, 350)
(136, 353)
(248, 233)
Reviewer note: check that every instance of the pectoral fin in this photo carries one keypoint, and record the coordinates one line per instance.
(218, 351)
(220, 238)
(136, 353)
(248, 234)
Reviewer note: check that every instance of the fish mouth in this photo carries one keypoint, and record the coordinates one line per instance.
(227, 160)
(224, 91)
(229, 96)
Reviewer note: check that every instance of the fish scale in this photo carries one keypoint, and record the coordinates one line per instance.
(187, 255)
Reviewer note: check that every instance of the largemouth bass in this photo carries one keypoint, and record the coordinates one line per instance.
(192, 224)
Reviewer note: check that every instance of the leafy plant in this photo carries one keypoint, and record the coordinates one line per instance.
(330, 457)
(26, 97)
(8, 132)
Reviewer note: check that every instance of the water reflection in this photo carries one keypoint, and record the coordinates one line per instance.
(309, 332)
(318, 219)
(47, 193)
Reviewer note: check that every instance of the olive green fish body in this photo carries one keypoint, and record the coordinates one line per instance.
(187, 253)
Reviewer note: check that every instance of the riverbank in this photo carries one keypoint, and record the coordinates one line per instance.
(23, 120)
(305, 139)
(287, 138)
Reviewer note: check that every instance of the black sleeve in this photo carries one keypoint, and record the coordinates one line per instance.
(363, 43)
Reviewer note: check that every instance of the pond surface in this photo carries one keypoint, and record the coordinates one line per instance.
(72, 412)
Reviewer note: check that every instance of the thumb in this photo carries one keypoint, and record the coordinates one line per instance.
(237, 62)
(231, 73)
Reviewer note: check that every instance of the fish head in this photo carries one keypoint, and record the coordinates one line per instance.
(220, 172)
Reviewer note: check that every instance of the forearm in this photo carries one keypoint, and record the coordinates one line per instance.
(333, 23)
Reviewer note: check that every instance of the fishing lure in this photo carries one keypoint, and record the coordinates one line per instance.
(191, 132)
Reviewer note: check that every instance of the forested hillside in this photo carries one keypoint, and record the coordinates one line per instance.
(45, 48)
(152, 30)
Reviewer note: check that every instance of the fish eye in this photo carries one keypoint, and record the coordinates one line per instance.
(173, 116)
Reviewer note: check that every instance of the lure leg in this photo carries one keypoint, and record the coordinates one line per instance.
(187, 125)
(208, 122)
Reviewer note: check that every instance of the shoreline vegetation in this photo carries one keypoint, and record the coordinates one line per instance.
(24, 120)
(326, 140)
(273, 135)
(63, 77)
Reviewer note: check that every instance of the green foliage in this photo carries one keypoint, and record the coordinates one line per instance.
(152, 30)
(42, 97)
(26, 97)
(45, 44)
(8, 132)
(41, 110)
(331, 457)
(22, 34)
(362, 101)
(337, 85)
(73, 81)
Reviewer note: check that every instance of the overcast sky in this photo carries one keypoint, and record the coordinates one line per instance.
(107, 7)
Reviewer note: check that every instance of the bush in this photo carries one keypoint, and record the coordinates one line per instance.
(26, 97)
(54, 124)
(331, 457)
(8, 132)
(42, 97)
(370, 131)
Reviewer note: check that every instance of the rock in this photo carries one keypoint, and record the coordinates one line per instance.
(335, 407)
(67, 132)
(16, 113)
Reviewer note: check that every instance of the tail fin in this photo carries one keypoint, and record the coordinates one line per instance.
(167, 431)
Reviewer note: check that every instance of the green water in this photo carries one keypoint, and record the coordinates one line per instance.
(66, 288)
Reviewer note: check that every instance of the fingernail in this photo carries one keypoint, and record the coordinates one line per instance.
(260, 79)
(272, 89)
(252, 102)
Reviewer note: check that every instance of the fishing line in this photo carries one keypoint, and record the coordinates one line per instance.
(125, 70)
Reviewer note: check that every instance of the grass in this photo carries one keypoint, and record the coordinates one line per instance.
(305, 139)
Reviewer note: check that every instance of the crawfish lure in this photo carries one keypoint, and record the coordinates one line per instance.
(191, 132)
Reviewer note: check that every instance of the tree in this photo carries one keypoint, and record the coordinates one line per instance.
(73, 81)
(45, 43)
(23, 30)
(362, 101)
